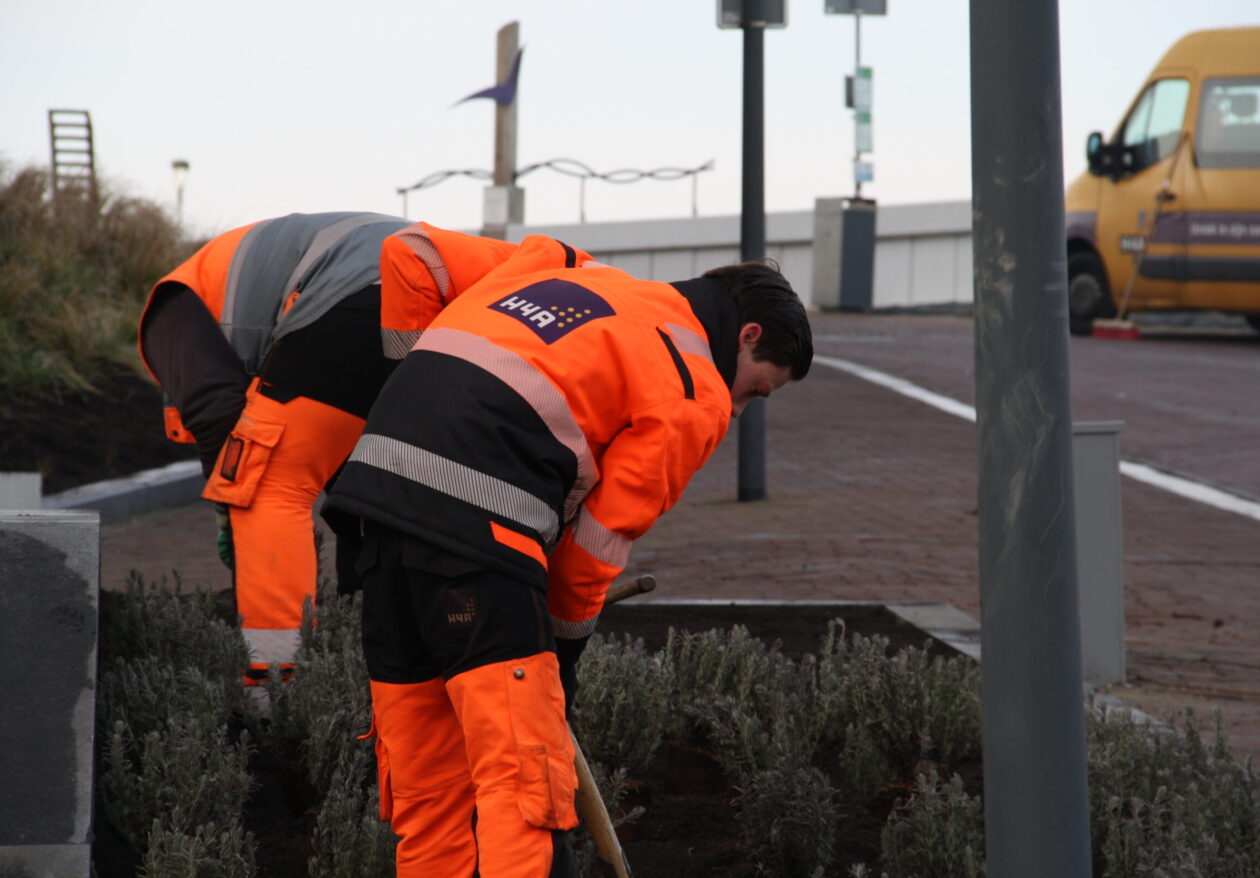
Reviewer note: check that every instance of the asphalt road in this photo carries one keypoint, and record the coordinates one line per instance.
(1189, 396)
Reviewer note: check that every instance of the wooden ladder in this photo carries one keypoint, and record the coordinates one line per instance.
(73, 155)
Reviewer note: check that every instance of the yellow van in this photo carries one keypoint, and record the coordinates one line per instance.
(1168, 215)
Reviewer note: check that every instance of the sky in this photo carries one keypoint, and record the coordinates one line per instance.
(284, 106)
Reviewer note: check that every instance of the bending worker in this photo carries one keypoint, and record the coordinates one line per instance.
(541, 424)
(268, 346)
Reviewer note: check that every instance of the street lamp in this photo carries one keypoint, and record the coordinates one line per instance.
(180, 167)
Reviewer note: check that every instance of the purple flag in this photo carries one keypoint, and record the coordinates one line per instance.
(505, 92)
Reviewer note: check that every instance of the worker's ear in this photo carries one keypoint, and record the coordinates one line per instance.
(749, 333)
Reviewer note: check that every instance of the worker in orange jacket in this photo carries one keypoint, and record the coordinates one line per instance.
(539, 426)
(268, 345)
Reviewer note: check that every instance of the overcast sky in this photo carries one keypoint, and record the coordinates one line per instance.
(283, 106)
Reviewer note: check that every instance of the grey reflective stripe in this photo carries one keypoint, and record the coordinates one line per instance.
(417, 239)
(324, 241)
(269, 645)
(397, 343)
(600, 542)
(228, 315)
(456, 480)
(688, 341)
(573, 630)
(533, 387)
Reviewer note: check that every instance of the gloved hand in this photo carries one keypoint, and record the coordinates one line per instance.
(568, 651)
(224, 520)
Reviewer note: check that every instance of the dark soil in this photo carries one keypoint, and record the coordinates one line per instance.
(80, 437)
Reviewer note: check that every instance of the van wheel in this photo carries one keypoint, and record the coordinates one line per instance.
(1088, 296)
(1254, 320)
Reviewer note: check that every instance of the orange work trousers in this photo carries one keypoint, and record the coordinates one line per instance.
(476, 765)
(270, 471)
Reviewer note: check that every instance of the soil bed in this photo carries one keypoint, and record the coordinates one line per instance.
(688, 827)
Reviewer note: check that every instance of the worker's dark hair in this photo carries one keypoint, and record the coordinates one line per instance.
(765, 297)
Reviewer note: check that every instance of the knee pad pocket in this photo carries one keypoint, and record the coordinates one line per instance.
(546, 782)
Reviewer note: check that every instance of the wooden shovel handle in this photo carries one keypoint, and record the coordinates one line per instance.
(595, 815)
(624, 590)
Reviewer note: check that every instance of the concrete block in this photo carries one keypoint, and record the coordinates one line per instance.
(49, 582)
(21, 490)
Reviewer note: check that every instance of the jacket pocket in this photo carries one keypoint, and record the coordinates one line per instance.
(243, 460)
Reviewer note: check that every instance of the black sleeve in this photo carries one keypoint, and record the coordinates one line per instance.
(196, 366)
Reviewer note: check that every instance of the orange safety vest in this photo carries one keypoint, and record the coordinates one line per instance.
(544, 421)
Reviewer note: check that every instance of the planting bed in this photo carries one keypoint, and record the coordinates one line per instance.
(687, 826)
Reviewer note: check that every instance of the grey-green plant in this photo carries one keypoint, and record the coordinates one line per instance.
(161, 621)
(184, 775)
(788, 818)
(350, 840)
(623, 705)
(1163, 803)
(938, 832)
(327, 704)
(919, 712)
(757, 705)
(206, 852)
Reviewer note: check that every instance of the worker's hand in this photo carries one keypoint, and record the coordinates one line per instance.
(226, 554)
(568, 652)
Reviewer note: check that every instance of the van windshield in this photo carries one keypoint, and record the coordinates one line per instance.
(1228, 134)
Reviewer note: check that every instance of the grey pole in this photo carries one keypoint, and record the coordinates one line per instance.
(752, 233)
(1035, 788)
(857, 66)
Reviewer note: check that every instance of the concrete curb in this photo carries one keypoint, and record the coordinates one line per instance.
(175, 484)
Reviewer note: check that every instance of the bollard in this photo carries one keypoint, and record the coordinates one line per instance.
(844, 253)
(1099, 549)
(49, 581)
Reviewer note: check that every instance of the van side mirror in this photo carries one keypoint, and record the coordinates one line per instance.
(1097, 154)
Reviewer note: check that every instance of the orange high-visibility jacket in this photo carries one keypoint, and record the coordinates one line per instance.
(422, 269)
(270, 278)
(264, 280)
(546, 419)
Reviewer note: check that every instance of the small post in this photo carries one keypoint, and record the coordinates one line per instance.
(752, 232)
(180, 167)
(1099, 549)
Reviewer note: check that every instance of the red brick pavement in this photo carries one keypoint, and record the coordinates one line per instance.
(873, 497)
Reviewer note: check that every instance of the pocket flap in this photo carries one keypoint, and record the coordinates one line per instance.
(265, 433)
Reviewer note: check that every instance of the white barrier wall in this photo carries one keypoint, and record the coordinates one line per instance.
(922, 251)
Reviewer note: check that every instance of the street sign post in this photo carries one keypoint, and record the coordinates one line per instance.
(859, 87)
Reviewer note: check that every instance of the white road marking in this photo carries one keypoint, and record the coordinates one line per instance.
(1141, 472)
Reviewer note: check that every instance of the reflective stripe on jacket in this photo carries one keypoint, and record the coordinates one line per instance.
(422, 269)
(543, 422)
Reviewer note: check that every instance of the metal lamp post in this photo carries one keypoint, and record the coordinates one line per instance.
(180, 167)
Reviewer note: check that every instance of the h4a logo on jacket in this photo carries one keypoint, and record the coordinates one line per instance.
(553, 308)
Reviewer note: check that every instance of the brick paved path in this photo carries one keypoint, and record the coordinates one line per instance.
(873, 497)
